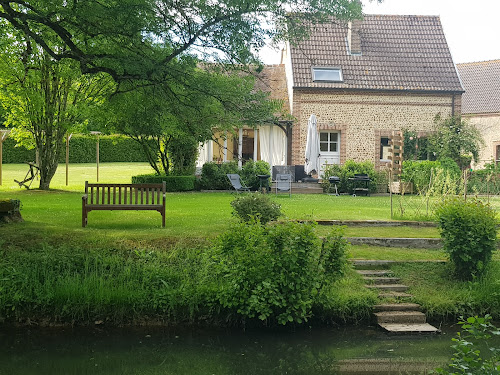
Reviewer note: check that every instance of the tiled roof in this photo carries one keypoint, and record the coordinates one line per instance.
(272, 79)
(397, 53)
(481, 81)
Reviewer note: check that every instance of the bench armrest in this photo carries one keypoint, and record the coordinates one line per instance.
(85, 197)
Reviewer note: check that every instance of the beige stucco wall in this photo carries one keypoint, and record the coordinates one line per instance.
(489, 126)
(363, 117)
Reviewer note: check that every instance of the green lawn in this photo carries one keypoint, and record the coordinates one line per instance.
(53, 237)
(189, 215)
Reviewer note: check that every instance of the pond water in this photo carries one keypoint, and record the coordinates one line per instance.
(151, 351)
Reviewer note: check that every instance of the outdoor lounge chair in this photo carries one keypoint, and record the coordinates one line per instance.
(283, 184)
(236, 182)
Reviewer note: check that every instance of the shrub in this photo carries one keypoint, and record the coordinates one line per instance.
(469, 233)
(433, 177)
(183, 153)
(271, 272)
(335, 253)
(418, 173)
(347, 171)
(484, 181)
(251, 170)
(173, 183)
(468, 344)
(213, 175)
(256, 205)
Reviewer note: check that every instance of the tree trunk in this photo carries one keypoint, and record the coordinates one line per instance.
(49, 147)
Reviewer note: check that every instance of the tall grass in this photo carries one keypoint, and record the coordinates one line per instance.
(62, 285)
(442, 296)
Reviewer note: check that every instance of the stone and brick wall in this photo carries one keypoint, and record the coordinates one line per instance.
(363, 117)
(489, 127)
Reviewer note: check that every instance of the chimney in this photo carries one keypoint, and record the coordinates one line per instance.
(353, 38)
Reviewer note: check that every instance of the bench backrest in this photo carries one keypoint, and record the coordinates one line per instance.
(125, 194)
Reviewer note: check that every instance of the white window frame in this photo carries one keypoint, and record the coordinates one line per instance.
(325, 69)
(381, 146)
(329, 142)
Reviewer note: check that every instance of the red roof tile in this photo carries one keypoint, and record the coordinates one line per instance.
(481, 81)
(397, 53)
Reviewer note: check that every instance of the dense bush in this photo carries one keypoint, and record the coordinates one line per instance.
(256, 205)
(469, 232)
(173, 183)
(440, 176)
(251, 170)
(418, 173)
(484, 181)
(213, 175)
(270, 272)
(334, 252)
(470, 356)
(183, 153)
(82, 149)
(347, 171)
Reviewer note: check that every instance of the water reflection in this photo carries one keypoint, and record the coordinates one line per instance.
(151, 351)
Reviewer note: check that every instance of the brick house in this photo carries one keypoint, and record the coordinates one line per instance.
(481, 104)
(364, 79)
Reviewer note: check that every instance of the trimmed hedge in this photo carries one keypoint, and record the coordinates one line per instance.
(12, 154)
(347, 171)
(82, 149)
(174, 183)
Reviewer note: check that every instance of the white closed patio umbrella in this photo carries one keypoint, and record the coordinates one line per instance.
(312, 146)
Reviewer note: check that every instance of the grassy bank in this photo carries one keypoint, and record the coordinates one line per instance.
(125, 269)
(443, 297)
(71, 284)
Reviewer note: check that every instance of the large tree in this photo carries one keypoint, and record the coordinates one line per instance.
(120, 37)
(44, 99)
(146, 44)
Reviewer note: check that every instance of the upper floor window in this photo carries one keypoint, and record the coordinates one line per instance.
(327, 74)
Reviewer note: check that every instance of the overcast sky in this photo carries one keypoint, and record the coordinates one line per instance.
(472, 28)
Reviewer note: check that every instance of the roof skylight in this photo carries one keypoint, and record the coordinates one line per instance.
(327, 74)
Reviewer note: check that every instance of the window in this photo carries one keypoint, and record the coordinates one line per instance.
(329, 142)
(384, 148)
(327, 74)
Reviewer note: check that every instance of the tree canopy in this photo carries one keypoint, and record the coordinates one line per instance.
(151, 49)
(163, 117)
(120, 37)
(455, 138)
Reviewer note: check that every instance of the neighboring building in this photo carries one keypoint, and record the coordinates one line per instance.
(268, 143)
(481, 104)
(367, 78)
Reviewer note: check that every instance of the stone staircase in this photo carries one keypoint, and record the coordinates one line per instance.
(394, 313)
(303, 188)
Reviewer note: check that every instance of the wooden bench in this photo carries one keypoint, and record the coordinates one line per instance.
(111, 197)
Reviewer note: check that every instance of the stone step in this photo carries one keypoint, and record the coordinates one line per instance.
(389, 287)
(387, 366)
(374, 272)
(371, 264)
(302, 188)
(382, 280)
(397, 307)
(401, 329)
(395, 295)
(401, 317)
